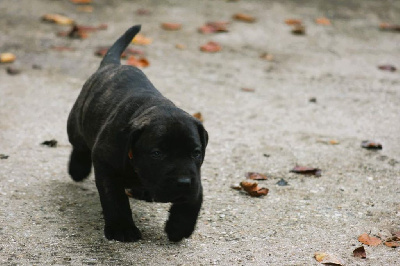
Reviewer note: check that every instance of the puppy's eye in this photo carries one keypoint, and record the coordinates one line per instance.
(196, 154)
(156, 154)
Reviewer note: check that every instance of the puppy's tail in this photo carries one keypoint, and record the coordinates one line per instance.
(113, 55)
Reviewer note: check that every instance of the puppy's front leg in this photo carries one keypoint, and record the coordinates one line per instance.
(182, 219)
(119, 224)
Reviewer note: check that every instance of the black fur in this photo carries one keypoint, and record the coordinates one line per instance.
(119, 112)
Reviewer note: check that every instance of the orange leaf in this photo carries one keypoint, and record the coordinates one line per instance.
(244, 17)
(323, 21)
(327, 258)
(210, 47)
(292, 21)
(369, 240)
(171, 26)
(267, 56)
(389, 27)
(7, 58)
(212, 27)
(392, 244)
(253, 189)
(140, 39)
(58, 19)
(199, 116)
(81, 1)
(255, 176)
(141, 62)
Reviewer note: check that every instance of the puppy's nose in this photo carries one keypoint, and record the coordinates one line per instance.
(184, 182)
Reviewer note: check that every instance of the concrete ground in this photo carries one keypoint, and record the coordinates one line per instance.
(46, 218)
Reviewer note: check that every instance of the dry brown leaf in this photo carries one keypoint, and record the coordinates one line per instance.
(392, 244)
(236, 187)
(7, 58)
(140, 39)
(267, 56)
(389, 68)
(292, 21)
(389, 27)
(369, 240)
(81, 1)
(140, 62)
(360, 252)
(86, 9)
(299, 30)
(327, 258)
(180, 46)
(199, 116)
(210, 47)
(255, 176)
(58, 19)
(371, 145)
(171, 26)
(248, 89)
(323, 21)
(143, 12)
(252, 188)
(306, 170)
(213, 27)
(244, 17)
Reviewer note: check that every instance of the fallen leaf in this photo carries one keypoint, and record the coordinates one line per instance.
(199, 116)
(248, 89)
(255, 176)
(392, 244)
(369, 240)
(389, 27)
(267, 56)
(327, 258)
(390, 68)
(333, 142)
(101, 51)
(171, 26)
(58, 19)
(292, 21)
(323, 21)
(282, 182)
(51, 143)
(140, 62)
(62, 48)
(214, 27)
(143, 12)
(253, 189)
(75, 33)
(140, 39)
(7, 58)
(180, 46)
(13, 71)
(360, 252)
(306, 170)
(86, 9)
(81, 1)
(91, 28)
(3, 156)
(244, 17)
(299, 30)
(210, 47)
(371, 145)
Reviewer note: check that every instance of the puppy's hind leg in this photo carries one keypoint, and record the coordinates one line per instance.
(80, 164)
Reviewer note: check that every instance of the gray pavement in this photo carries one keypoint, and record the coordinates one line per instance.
(46, 218)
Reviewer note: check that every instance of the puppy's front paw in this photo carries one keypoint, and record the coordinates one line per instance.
(177, 230)
(124, 234)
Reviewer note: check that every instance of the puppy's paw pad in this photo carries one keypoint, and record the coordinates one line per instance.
(130, 234)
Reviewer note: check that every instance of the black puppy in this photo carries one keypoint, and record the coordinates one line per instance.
(137, 140)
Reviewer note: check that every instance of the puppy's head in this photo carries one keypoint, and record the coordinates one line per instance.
(167, 149)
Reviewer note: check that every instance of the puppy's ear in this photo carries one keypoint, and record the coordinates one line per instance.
(134, 130)
(203, 138)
